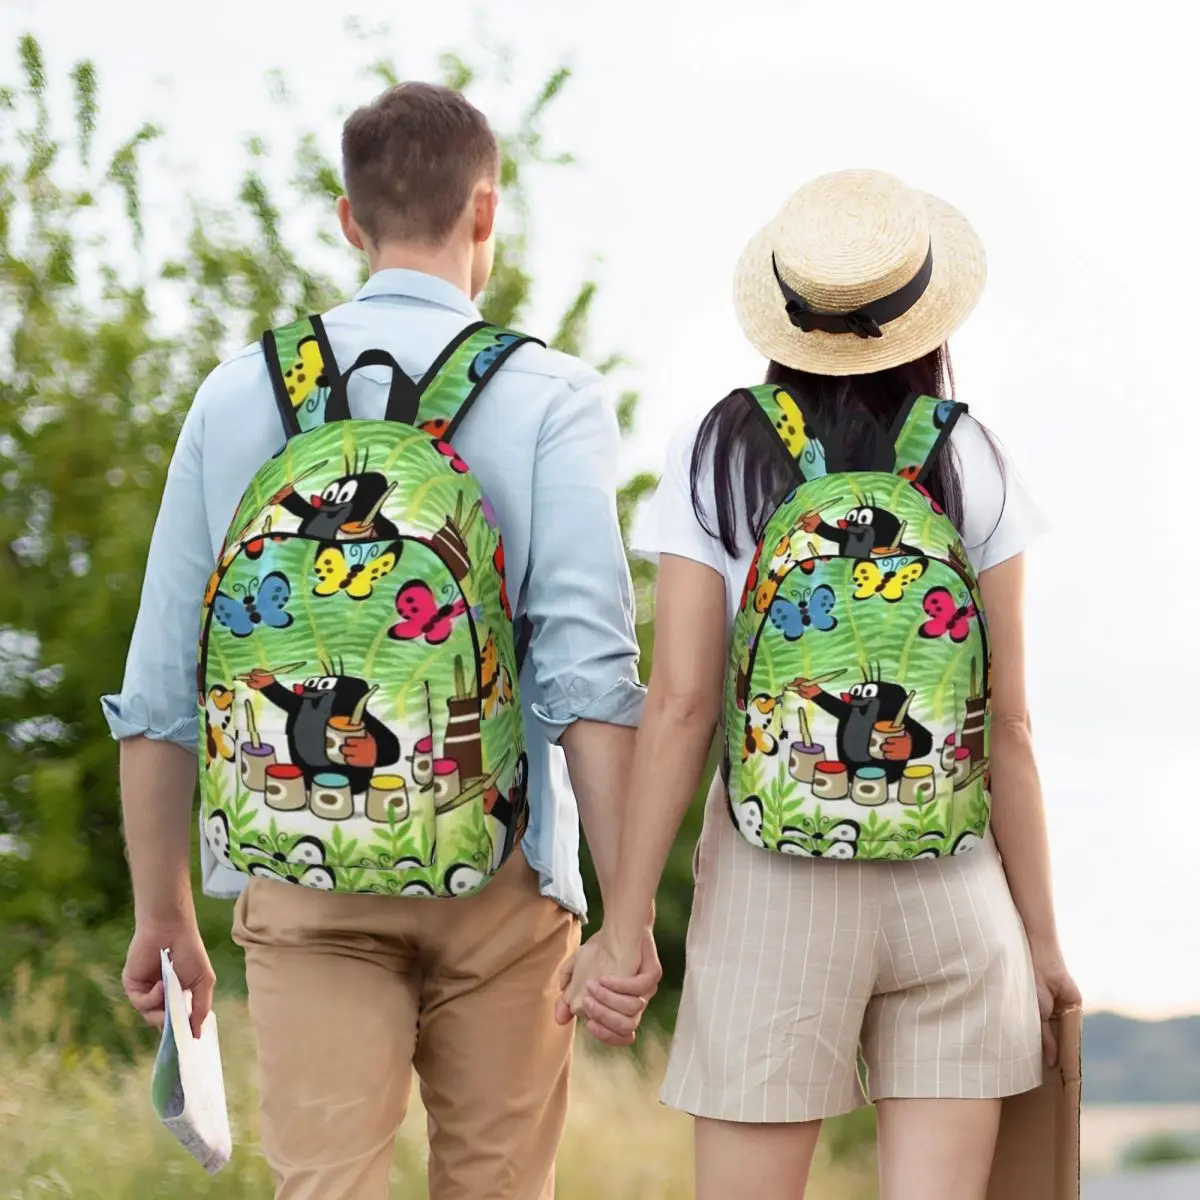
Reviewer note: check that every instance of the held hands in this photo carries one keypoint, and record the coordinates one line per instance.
(142, 977)
(609, 986)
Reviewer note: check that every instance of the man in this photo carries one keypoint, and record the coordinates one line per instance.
(349, 992)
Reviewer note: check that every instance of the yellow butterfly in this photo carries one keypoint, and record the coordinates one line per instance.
(888, 582)
(306, 373)
(353, 569)
(790, 424)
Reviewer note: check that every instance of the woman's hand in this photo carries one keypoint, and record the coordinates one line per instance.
(1056, 993)
(609, 985)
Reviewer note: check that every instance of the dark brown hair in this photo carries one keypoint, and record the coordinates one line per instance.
(410, 159)
(852, 413)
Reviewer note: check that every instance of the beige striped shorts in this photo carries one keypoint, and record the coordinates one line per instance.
(796, 966)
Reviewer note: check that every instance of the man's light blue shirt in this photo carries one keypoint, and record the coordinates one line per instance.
(543, 442)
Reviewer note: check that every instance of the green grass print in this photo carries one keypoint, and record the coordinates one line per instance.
(871, 634)
(356, 632)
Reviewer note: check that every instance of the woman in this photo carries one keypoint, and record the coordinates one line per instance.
(935, 967)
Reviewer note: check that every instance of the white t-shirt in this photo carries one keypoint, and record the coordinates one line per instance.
(1000, 518)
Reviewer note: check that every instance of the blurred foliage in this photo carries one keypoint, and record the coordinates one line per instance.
(93, 386)
(1162, 1149)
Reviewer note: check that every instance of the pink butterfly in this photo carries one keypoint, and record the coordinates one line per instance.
(449, 451)
(946, 617)
(422, 616)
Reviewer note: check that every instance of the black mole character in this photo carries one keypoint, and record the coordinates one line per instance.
(857, 712)
(309, 707)
(349, 509)
(861, 532)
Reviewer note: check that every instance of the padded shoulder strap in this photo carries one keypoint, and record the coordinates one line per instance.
(921, 429)
(304, 376)
(784, 415)
(461, 372)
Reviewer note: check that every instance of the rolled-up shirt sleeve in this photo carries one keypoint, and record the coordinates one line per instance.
(158, 695)
(579, 596)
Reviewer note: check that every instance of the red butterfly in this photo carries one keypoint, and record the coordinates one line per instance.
(946, 617)
(449, 451)
(751, 578)
(498, 563)
(422, 616)
(910, 473)
(436, 428)
(933, 504)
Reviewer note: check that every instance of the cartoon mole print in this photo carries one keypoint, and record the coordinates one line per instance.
(309, 707)
(861, 532)
(857, 712)
(349, 509)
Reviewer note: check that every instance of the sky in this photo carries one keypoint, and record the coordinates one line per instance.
(1066, 138)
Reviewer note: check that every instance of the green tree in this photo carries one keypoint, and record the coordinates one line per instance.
(93, 385)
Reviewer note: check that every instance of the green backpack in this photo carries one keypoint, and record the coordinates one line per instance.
(360, 715)
(857, 699)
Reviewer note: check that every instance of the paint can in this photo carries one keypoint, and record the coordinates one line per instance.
(422, 761)
(447, 782)
(804, 760)
(284, 787)
(255, 762)
(331, 797)
(830, 781)
(949, 748)
(337, 732)
(962, 764)
(387, 794)
(917, 784)
(870, 787)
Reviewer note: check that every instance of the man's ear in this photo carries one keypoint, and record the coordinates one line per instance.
(486, 199)
(350, 229)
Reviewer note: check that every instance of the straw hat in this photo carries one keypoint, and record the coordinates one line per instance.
(857, 273)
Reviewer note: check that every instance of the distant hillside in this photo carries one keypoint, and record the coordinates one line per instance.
(1140, 1062)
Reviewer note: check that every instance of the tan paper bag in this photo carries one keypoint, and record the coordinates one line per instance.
(1037, 1154)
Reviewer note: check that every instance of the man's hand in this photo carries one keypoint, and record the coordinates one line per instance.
(610, 988)
(142, 977)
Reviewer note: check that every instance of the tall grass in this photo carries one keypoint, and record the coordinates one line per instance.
(76, 1123)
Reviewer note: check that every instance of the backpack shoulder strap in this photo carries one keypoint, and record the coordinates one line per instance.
(784, 414)
(454, 381)
(922, 427)
(309, 389)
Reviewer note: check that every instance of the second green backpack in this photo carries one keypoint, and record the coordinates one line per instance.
(359, 709)
(858, 699)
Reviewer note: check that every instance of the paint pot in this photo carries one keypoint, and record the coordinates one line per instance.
(337, 732)
(830, 781)
(285, 787)
(422, 761)
(949, 747)
(387, 794)
(255, 762)
(804, 761)
(331, 797)
(916, 784)
(447, 782)
(870, 787)
(880, 734)
(962, 764)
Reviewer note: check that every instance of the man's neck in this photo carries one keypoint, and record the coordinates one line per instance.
(451, 263)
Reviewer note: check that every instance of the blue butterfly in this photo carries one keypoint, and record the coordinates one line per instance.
(483, 361)
(941, 414)
(259, 605)
(813, 608)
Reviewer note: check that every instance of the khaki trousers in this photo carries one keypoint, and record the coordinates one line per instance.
(348, 993)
